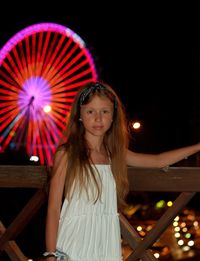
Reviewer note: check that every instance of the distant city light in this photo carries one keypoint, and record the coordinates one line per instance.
(191, 243)
(157, 255)
(180, 242)
(169, 203)
(177, 234)
(176, 218)
(175, 224)
(34, 158)
(136, 125)
(160, 204)
(139, 228)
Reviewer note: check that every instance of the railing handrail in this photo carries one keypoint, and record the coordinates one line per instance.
(173, 179)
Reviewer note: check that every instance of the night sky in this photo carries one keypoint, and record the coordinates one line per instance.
(149, 56)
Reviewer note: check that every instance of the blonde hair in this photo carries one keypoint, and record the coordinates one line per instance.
(79, 170)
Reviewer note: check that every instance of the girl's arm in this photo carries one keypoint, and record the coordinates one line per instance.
(55, 201)
(160, 160)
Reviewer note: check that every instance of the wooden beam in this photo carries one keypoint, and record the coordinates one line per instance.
(23, 176)
(11, 248)
(174, 179)
(23, 217)
(162, 224)
(133, 239)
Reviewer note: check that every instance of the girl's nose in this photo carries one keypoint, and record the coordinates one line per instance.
(98, 116)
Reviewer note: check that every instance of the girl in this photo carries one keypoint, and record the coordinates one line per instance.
(90, 169)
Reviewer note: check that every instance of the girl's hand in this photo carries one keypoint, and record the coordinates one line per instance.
(50, 259)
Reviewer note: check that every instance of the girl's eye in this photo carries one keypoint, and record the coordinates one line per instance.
(106, 111)
(89, 112)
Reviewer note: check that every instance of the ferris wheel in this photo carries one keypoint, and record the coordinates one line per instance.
(41, 69)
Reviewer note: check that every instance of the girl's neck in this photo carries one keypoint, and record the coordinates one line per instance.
(98, 154)
(99, 157)
(95, 145)
(96, 149)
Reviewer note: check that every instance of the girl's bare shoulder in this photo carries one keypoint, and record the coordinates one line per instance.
(60, 155)
(60, 161)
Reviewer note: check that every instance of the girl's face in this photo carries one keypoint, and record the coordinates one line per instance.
(97, 116)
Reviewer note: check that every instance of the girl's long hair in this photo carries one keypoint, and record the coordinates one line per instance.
(79, 170)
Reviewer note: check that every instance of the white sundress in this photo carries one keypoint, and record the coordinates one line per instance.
(90, 231)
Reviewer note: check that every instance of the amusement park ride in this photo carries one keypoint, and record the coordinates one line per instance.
(41, 69)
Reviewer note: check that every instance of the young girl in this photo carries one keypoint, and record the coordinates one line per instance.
(90, 170)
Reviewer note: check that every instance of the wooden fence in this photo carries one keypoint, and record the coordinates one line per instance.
(184, 180)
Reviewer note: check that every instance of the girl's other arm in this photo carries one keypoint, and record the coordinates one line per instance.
(160, 160)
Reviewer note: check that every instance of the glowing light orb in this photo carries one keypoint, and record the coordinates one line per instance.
(47, 108)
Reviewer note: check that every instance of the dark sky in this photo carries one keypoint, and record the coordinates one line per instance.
(149, 54)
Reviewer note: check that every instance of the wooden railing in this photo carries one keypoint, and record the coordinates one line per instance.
(22, 177)
(185, 180)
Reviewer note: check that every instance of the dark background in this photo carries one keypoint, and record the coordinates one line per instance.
(148, 53)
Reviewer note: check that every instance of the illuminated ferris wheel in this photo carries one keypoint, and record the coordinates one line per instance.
(41, 69)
